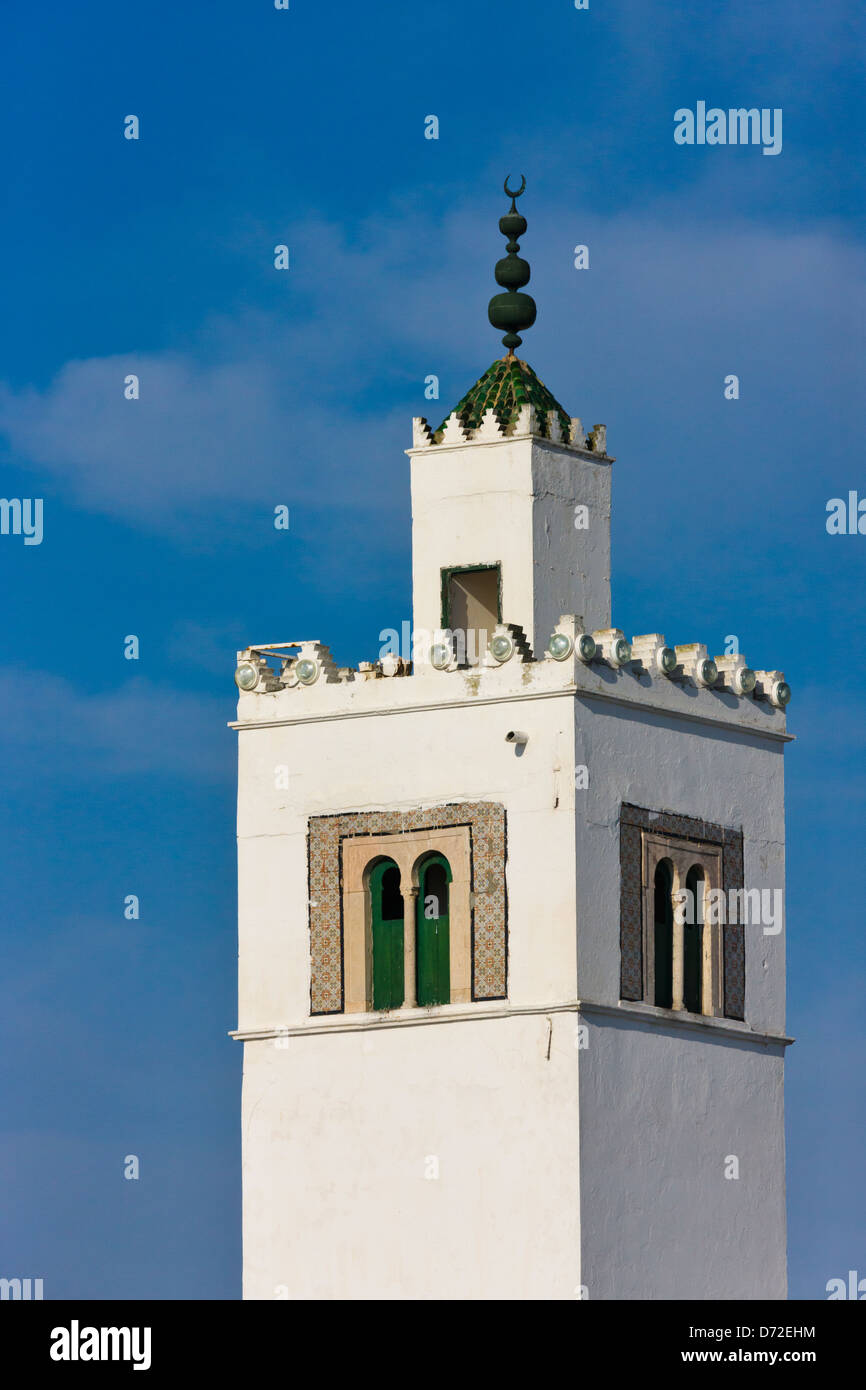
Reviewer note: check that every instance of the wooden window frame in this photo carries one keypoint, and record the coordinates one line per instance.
(683, 855)
(446, 574)
(409, 851)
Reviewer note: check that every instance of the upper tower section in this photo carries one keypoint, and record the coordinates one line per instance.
(510, 497)
(511, 539)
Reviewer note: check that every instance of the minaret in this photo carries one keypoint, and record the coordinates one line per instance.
(510, 498)
(482, 1056)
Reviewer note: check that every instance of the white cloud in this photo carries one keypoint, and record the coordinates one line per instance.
(302, 405)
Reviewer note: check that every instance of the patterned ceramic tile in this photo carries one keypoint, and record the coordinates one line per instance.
(507, 385)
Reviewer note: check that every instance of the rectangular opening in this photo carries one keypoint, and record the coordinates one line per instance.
(472, 607)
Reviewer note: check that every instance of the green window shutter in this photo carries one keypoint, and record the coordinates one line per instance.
(433, 947)
(386, 904)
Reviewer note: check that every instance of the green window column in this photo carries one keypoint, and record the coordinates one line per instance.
(410, 900)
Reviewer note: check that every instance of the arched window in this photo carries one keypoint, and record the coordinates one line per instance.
(681, 947)
(433, 944)
(693, 932)
(386, 921)
(663, 918)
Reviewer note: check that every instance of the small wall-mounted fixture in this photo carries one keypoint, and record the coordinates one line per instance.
(743, 680)
(620, 651)
(307, 670)
(501, 647)
(247, 675)
(780, 693)
(697, 665)
(569, 637)
(517, 736)
(392, 665)
(560, 646)
(506, 641)
(706, 672)
(441, 656)
(613, 646)
(254, 673)
(653, 653)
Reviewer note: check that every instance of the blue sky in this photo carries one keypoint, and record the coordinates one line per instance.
(155, 257)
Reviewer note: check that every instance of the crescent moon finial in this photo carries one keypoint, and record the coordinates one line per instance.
(512, 310)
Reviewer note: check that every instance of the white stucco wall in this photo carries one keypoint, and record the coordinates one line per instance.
(512, 503)
(337, 1124)
(649, 759)
(663, 1106)
(662, 1111)
(339, 1132)
(410, 758)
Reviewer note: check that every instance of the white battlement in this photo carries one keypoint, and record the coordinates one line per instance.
(526, 425)
(300, 680)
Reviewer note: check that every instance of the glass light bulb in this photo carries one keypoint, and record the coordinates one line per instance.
(246, 676)
(307, 671)
(560, 646)
(667, 659)
(440, 655)
(586, 647)
(709, 671)
(621, 651)
(783, 692)
(501, 647)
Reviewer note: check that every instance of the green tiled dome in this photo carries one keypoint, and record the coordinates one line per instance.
(504, 388)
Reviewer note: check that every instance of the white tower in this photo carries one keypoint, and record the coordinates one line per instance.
(484, 1056)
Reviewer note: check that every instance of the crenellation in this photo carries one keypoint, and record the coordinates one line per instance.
(422, 435)
(772, 686)
(526, 421)
(554, 427)
(454, 431)
(508, 648)
(490, 428)
(613, 645)
(576, 435)
(598, 439)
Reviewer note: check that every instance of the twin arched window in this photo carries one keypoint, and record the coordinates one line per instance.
(667, 944)
(430, 961)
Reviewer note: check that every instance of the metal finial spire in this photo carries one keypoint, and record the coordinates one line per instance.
(512, 310)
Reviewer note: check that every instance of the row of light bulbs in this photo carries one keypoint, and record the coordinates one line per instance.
(249, 673)
(619, 652)
(254, 672)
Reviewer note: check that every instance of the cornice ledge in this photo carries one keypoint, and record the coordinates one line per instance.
(682, 1021)
(320, 1024)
